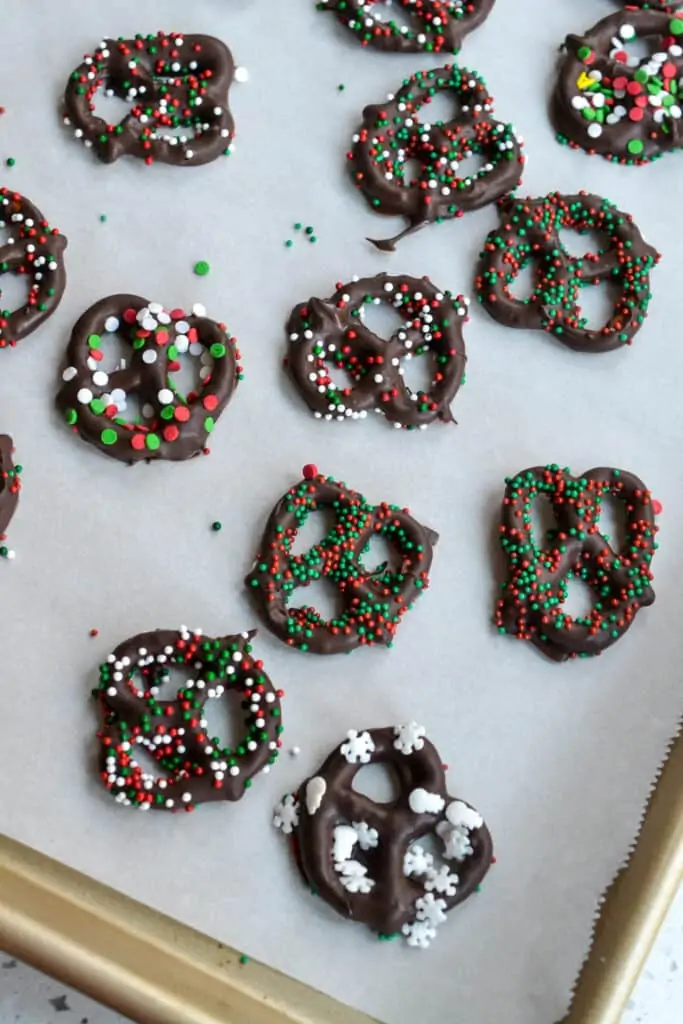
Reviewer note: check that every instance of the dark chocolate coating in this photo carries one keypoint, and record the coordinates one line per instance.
(457, 20)
(10, 483)
(530, 231)
(629, 139)
(531, 606)
(184, 433)
(398, 130)
(176, 81)
(391, 903)
(35, 250)
(373, 601)
(196, 767)
(328, 334)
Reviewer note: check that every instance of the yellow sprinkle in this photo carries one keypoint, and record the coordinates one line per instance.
(584, 81)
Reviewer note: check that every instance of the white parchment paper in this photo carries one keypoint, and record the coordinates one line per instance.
(558, 758)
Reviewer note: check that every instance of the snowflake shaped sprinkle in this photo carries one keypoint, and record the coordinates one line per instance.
(431, 909)
(367, 837)
(456, 840)
(354, 877)
(286, 815)
(417, 861)
(422, 802)
(358, 747)
(461, 814)
(409, 738)
(419, 934)
(441, 881)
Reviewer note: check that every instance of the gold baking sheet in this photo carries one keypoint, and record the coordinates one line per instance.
(158, 971)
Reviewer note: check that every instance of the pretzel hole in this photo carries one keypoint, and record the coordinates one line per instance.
(166, 680)
(314, 529)
(469, 165)
(115, 352)
(379, 556)
(639, 49)
(443, 107)
(411, 172)
(142, 756)
(323, 597)
(128, 407)
(379, 782)
(7, 231)
(597, 305)
(381, 318)
(223, 718)
(184, 132)
(14, 291)
(543, 522)
(612, 522)
(193, 368)
(417, 370)
(579, 600)
(579, 243)
(524, 283)
(111, 107)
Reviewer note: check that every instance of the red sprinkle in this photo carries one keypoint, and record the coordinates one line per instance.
(310, 471)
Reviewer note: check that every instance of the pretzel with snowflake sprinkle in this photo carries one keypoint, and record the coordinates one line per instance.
(539, 568)
(171, 425)
(177, 86)
(197, 768)
(330, 335)
(398, 131)
(34, 251)
(530, 233)
(374, 601)
(437, 26)
(366, 859)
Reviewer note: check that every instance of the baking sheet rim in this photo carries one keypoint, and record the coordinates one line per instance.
(125, 954)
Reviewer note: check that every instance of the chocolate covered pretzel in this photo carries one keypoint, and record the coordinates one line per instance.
(34, 250)
(10, 484)
(531, 233)
(194, 767)
(177, 87)
(399, 130)
(328, 336)
(620, 106)
(170, 425)
(365, 859)
(374, 600)
(539, 568)
(436, 26)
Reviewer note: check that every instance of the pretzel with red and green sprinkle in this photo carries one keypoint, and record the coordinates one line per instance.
(436, 26)
(177, 86)
(35, 251)
(197, 768)
(10, 485)
(539, 568)
(374, 600)
(331, 335)
(398, 131)
(531, 233)
(170, 425)
(618, 105)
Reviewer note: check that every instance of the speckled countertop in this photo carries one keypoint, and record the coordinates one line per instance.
(27, 997)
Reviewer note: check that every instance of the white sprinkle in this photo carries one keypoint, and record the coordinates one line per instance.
(69, 373)
(84, 396)
(149, 356)
(111, 324)
(241, 75)
(165, 396)
(100, 378)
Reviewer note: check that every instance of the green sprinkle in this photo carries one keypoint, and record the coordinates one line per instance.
(10, 161)
(341, 87)
(635, 146)
(71, 417)
(153, 442)
(103, 218)
(216, 526)
(289, 243)
(209, 424)
(217, 350)
(109, 437)
(202, 268)
(244, 960)
(309, 230)
(298, 226)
